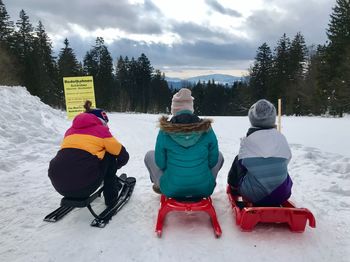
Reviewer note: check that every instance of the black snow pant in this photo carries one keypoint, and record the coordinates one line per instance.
(236, 173)
(77, 174)
(111, 184)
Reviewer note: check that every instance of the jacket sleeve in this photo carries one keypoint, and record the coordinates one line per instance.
(213, 155)
(112, 145)
(237, 171)
(122, 158)
(160, 151)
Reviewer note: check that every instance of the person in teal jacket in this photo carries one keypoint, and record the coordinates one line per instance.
(186, 159)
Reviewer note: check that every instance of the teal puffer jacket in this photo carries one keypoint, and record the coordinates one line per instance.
(186, 153)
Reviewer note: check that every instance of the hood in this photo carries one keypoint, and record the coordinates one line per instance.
(85, 120)
(185, 135)
(265, 143)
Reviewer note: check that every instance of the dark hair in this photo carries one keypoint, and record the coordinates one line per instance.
(87, 106)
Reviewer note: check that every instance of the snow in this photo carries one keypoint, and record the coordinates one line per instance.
(30, 135)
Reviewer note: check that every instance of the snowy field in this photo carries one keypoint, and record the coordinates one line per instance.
(30, 135)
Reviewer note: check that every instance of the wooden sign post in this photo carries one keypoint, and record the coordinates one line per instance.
(279, 128)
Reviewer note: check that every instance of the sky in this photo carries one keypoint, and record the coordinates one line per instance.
(182, 38)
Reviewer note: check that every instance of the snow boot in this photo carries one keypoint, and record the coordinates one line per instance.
(112, 197)
(234, 191)
(156, 189)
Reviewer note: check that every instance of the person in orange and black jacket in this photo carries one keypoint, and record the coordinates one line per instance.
(89, 155)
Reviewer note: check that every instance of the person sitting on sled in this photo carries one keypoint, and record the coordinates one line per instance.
(186, 159)
(89, 155)
(259, 172)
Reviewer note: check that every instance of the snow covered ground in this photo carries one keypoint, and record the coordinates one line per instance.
(30, 134)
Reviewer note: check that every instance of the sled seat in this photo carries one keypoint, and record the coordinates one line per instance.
(170, 204)
(82, 202)
(247, 216)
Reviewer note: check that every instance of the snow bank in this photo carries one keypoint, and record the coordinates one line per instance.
(28, 127)
(30, 135)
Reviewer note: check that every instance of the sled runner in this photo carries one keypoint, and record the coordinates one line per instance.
(170, 204)
(247, 216)
(68, 204)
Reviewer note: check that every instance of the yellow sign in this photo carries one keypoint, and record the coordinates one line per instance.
(77, 90)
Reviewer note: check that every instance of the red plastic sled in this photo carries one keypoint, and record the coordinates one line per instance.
(248, 216)
(169, 204)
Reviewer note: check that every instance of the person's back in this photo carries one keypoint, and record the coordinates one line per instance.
(89, 154)
(265, 154)
(260, 172)
(191, 151)
(186, 159)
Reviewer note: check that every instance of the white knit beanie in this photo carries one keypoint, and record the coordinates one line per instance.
(182, 100)
(262, 114)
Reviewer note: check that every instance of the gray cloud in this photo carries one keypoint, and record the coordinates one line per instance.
(185, 55)
(216, 6)
(141, 19)
(191, 32)
(309, 17)
(199, 46)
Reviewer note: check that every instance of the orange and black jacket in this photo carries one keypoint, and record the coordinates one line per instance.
(78, 164)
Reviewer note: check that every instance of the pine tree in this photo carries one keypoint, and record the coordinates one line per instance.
(67, 65)
(45, 68)
(298, 55)
(338, 59)
(216, 101)
(90, 64)
(160, 94)
(281, 75)
(123, 82)
(105, 77)
(135, 96)
(6, 26)
(24, 46)
(99, 64)
(261, 72)
(144, 70)
(322, 77)
(165, 95)
(297, 69)
(9, 68)
(339, 27)
(198, 91)
(24, 36)
(9, 73)
(241, 98)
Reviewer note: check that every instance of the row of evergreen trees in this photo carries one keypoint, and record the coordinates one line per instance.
(26, 58)
(310, 80)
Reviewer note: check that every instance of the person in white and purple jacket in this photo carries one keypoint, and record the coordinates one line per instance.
(259, 173)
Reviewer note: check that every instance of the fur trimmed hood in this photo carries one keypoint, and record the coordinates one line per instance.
(167, 126)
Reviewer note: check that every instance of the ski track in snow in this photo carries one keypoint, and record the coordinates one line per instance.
(30, 134)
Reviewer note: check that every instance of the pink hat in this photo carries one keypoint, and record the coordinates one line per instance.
(182, 100)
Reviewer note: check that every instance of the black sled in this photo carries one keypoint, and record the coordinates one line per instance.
(68, 204)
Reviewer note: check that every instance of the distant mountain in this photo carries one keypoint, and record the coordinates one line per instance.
(223, 79)
(173, 79)
(218, 79)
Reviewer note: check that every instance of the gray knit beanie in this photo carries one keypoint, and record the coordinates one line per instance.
(262, 114)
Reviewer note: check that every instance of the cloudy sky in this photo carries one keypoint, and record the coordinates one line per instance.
(180, 37)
